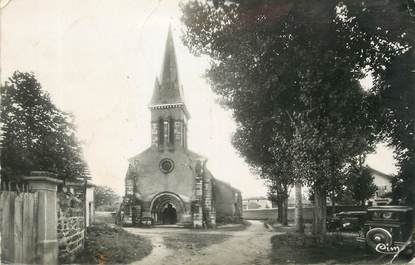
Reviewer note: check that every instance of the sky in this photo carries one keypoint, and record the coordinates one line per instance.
(98, 60)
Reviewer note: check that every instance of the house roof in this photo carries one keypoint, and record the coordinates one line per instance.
(377, 172)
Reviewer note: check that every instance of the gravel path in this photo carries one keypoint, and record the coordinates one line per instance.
(248, 247)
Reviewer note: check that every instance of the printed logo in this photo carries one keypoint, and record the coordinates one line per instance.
(386, 249)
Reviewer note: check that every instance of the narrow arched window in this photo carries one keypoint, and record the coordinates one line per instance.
(166, 132)
(161, 132)
(171, 132)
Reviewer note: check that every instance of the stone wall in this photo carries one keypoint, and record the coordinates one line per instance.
(228, 202)
(70, 225)
(148, 180)
(70, 236)
(210, 212)
(272, 213)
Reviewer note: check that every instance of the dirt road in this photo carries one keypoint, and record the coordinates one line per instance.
(247, 247)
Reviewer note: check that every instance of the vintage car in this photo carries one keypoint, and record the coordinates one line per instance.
(388, 229)
(346, 221)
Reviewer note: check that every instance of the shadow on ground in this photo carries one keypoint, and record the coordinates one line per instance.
(291, 248)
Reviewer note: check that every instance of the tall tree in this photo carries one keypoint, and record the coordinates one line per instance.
(397, 99)
(267, 153)
(392, 64)
(105, 196)
(36, 134)
(359, 183)
(295, 63)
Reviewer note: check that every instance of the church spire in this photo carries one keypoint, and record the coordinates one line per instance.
(169, 115)
(168, 90)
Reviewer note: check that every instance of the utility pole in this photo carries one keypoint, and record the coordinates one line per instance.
(85, 187)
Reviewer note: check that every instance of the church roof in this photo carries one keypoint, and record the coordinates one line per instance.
(167, 89)
(192, 155)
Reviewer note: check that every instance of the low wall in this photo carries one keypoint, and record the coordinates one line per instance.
(70, 236)
(272, 213)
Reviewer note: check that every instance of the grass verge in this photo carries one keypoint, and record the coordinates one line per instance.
(112, 245)
(290, 249)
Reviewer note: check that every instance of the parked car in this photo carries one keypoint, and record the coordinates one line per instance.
(346, 221)
(388, 229)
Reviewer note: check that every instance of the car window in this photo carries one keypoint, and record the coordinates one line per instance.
(384, 216)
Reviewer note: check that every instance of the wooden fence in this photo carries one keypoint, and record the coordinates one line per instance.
(18, 223)
(11, 186)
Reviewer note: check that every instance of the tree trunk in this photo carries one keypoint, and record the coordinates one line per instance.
(333, 204)
(279, 211)
(298, 214)
(319, 213)
(284, 216)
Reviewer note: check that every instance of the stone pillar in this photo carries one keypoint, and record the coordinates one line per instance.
(197, 204)
(197, 215)
(45, 184)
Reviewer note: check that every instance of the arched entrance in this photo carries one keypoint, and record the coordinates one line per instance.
(167, 208)
(169, 215)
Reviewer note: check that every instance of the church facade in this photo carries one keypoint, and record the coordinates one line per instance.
(167, 183)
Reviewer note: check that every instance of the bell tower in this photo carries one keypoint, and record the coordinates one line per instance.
(169, 114)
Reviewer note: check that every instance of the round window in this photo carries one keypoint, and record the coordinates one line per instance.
(166, 165)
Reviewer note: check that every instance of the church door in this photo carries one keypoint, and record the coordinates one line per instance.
(167, 208)
(169, 215)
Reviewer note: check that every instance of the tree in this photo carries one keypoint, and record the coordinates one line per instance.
(299, 219)
(268, 155)
(392, 65)
(397, 98)
(272, 60)
(360, 183)
(36, 134)
(105, 196)
(267, 65)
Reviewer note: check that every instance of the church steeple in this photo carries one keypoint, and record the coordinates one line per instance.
(169, 114)
(168, 90)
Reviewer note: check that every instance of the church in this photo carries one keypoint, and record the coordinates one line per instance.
(167, 183)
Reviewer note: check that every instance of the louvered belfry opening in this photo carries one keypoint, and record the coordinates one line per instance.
(169, 114)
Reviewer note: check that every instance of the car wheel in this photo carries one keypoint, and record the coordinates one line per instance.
(377, 236)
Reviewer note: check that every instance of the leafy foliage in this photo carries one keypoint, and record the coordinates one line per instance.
(290, 72)
(397, 98)
(360, 183)
(36, 134)
(105, 196)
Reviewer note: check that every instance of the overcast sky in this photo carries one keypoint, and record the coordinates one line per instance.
(99, 59)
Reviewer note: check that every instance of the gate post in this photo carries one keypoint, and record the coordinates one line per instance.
(45, 184)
